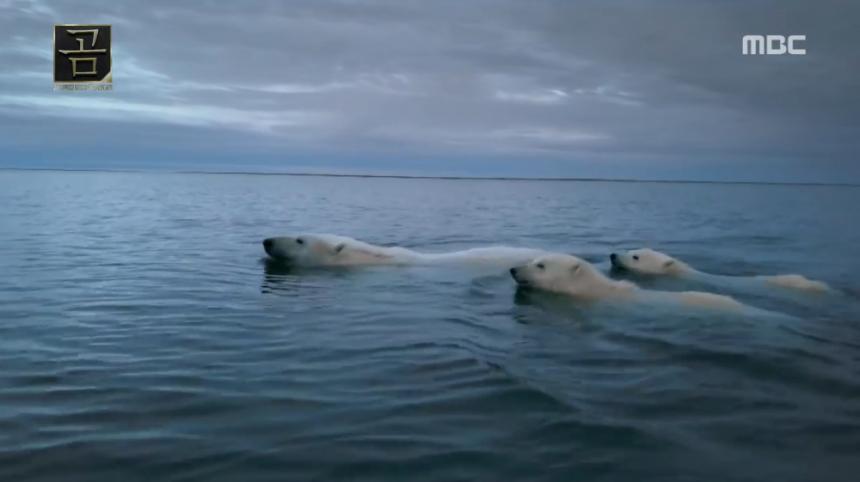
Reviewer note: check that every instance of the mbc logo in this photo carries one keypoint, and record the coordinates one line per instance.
(773, 44)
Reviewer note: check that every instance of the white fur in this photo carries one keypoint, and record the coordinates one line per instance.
(651, 262)
(795, 281)
(334, 250)
(648, 261)
(569, 275)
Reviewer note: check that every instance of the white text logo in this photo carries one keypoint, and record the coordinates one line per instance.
(773, 44)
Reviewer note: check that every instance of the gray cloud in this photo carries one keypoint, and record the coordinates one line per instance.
(587, 87)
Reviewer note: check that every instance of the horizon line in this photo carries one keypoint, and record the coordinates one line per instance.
(440, 177)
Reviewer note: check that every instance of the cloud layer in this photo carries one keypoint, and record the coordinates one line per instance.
(586, 88)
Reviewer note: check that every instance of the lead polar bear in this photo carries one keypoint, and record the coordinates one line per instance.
(334, 250)
(561, 273)
(650, 262)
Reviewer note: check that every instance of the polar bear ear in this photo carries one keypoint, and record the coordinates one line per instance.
(339, 248)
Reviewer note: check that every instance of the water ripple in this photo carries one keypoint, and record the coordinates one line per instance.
(142, 337)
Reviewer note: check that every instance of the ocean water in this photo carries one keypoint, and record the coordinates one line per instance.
(143, 336)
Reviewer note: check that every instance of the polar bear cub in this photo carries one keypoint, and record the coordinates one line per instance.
(650, 262)
(569, 275)
(333, 250)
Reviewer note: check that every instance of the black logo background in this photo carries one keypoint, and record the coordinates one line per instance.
(65, 41)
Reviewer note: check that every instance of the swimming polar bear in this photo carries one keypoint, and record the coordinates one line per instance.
(569, 275)
(333, 250)
(651, 262)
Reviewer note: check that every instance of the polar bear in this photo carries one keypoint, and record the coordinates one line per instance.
(650, 262)
(569, 275)
(334, 250)
(331, 250)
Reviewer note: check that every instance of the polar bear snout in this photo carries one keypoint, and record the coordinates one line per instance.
(617, 262)
(269, 245)
(516, 274)
(275, 248)
(522, 276)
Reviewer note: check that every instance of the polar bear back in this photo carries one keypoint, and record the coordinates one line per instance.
(484, 255)
(796, 281)
(708, 300)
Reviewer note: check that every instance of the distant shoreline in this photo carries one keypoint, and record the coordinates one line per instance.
(446, 178)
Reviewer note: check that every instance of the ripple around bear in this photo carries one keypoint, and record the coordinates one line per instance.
(575, 277)
(650, 262)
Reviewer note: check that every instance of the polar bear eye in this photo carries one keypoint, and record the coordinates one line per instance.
(300, 240)
(635, 257)
(540, 266)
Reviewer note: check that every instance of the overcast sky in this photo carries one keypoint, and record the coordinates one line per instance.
(633, 89)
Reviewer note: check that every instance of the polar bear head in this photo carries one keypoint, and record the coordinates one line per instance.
(321, 250)
(567, 274)
(648, 261)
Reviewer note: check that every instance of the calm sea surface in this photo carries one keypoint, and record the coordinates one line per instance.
(144, 337)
